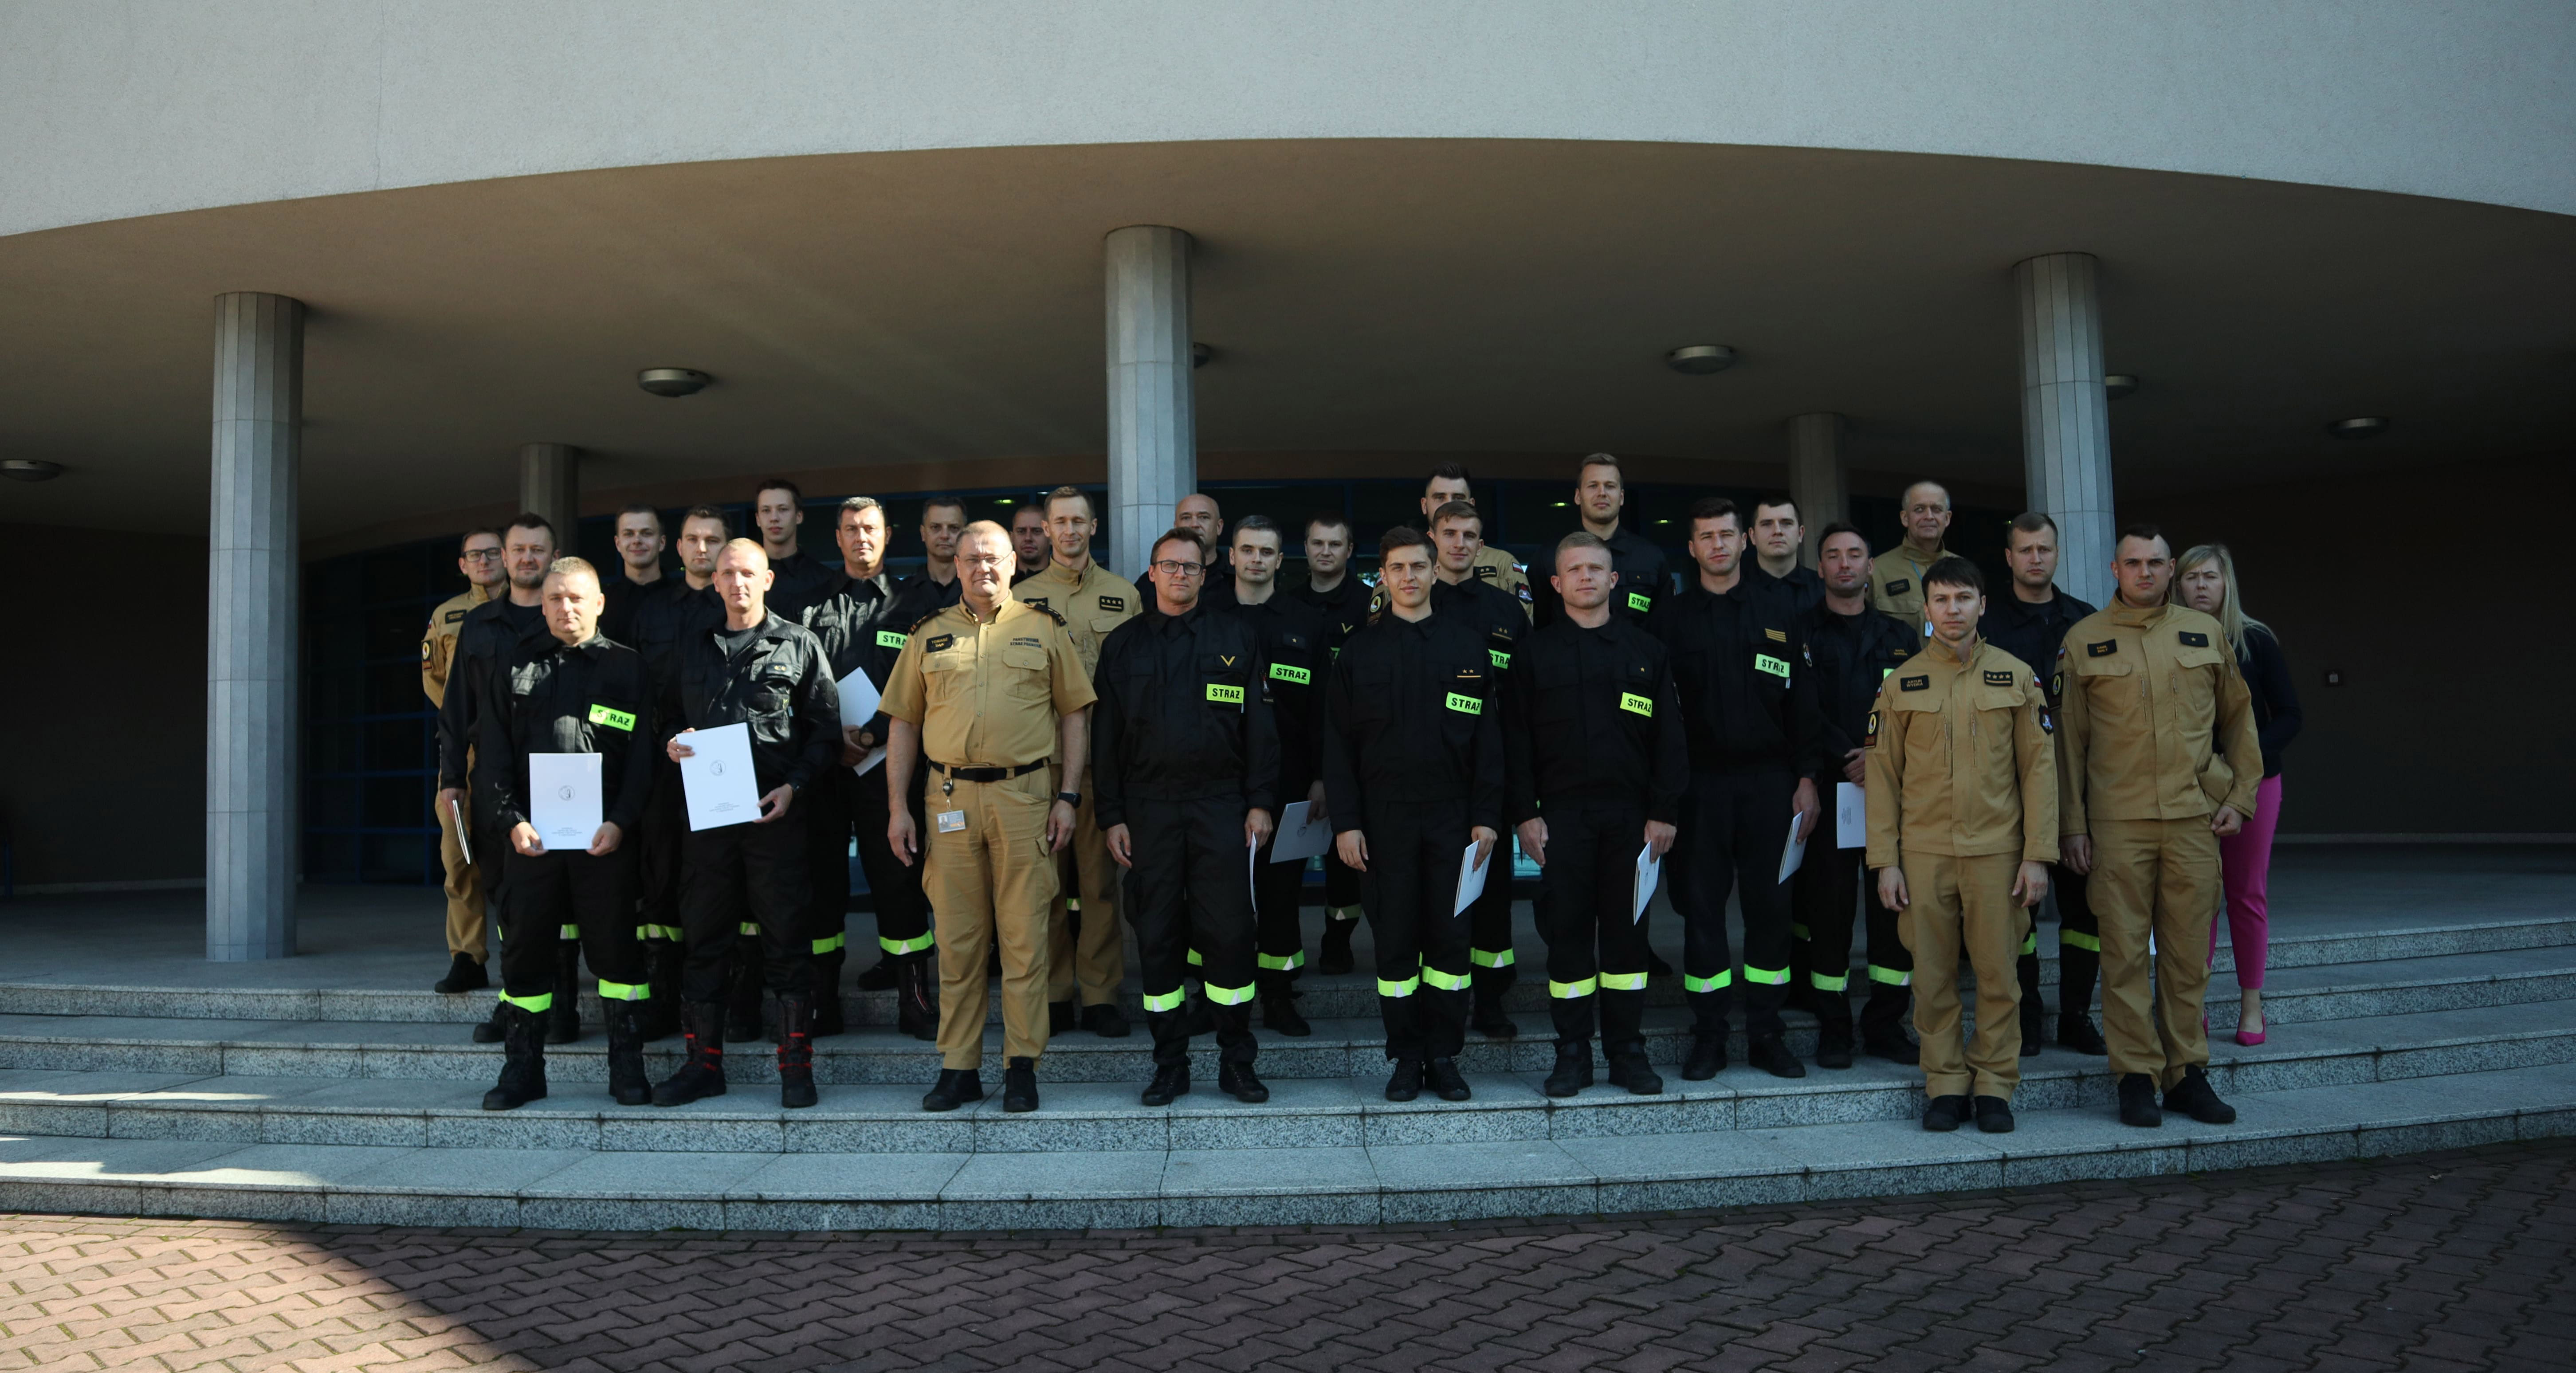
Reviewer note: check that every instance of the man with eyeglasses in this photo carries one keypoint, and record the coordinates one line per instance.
(1896, 576)
(1086, 953)
(480, 561)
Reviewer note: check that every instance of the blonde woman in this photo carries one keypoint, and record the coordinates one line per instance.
(2207, 583)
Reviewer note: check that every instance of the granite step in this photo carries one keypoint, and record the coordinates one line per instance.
(583, 1188)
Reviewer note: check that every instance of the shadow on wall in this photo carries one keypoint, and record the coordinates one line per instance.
(2446, 719)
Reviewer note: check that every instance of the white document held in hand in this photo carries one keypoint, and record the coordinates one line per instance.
(1302, 834)
(464, 845)
(563, 800)
(1851, 817)
(1471, 877)
(1796, 851)
(718, 779)
(859, 705)
(1650, 870)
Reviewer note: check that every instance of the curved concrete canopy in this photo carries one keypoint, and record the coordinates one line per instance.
(937, 309)
(118, 111)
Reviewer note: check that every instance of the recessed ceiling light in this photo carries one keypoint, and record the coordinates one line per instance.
(30, 469)
(2119, 384)
(673, 382)
(2359, 427)
(1700, 359)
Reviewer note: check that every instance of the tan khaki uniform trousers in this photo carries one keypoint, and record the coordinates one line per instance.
(2159, 876)
(994, 875)
(1094, 960)
(464, 887)
(1965, 905)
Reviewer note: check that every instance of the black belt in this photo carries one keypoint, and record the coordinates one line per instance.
(984, 774)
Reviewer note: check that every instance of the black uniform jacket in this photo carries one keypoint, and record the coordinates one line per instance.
(1645, 579)
(917, 598)
(664, 616)
(1295, 665)
(855, 622)
(1591, 715)
(779, 684)
(1183, 715)
(1495, 613)
(1802, 589)
(587, 698)
(2032, 633)
(490, 632)
(795, 580)
(1412, 715)
(1344, 609)
(1851, 655)
(1747, 698)
(617, 622)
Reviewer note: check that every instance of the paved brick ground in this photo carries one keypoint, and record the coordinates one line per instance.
(2463, 1260)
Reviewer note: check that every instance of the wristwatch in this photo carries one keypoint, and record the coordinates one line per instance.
(1070, 798)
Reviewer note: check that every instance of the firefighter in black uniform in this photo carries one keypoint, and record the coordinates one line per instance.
(1414, 768)
(1457, 532)
(765, 671)
(1779, 536)
(1756, 743)
(1185, 777)
(1341, 599)
(640, 546)
(2031, 624)
(490, 633)
(667, 614)
(1600, 493)
(1851, 648)
(1296, 662)
(853, 616)
(580, 693)
(1596, 765)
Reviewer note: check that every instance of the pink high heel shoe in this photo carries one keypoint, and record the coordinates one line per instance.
(2249, 1040)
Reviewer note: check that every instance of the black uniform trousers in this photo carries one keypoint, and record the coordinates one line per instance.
(1596, 954)
(751, 876)
(1342, 885)
(665, 831)
(1822, 893)
(542, 898)
(2079, 946)
(1411, 885)
(826, 802)
(894, 887)
(1189, 899)
(1489, 925)
(1279, 942)
(1734, 825)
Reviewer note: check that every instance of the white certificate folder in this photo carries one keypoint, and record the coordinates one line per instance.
(563, 800)
(718, 779)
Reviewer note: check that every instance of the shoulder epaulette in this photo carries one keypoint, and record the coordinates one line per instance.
(917, 624)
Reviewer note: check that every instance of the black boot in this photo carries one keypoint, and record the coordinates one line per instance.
(1170, 1080)
(1893, 1046)
(1061, 1018)
(1441, 1075)
(1833, 1028)
(1020, 1085)
(1767, 1053)
(1486, 1016)
(2077, 1033)
(2030, 1020)
(523, 1073)
(1945, 1113)
(662, 1009)
(464, 974)
(956, 1087)
(563, 1017)
(626, 1080)
(1197, 1016)
(827, 992)
(701, 1074)
(490, 1031)
(1335, 956)
(1656, 966)
(1279, 1007)
(1573, 1070)
(1405, 1083)
(1994, 1115)
(1707, 1057)
(2192, 1096)
(2138, 1101)
(1629, 1069)
(742, 991)
(1105, 1020)
(916, 1001)
(1237, 1080)
(883, 976)
(795, 1050)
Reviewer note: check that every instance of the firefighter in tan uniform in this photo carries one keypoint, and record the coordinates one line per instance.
(1962, 827)
(1088, 961)
(480, 561)
(985, 693)
(1896, 576)
(2160, 764)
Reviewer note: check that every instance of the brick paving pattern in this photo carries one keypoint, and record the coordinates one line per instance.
(2463, 1260)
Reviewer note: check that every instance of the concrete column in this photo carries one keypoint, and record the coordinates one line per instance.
(2066, 417)
(1153, 421)
(1816, 474)
(252, 618)
(550, 485)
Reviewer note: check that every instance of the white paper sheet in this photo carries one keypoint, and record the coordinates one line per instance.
(1471, 877)
(1302, 834)
(718, 778)
(858, 705)
(563, 800)
(1796, 850)
(464, 845)
(1851, 817)
(1650, 870)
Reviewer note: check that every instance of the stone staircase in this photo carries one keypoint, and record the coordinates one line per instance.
(363, 1107)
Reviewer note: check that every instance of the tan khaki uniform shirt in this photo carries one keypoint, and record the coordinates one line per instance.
(1896, 583)
(1960, 759)
(987, 693)
(438, 644)
(1093, 602)
(2154, 718)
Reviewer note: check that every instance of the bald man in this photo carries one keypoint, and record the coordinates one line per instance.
(1896, 576)
(1198, 513)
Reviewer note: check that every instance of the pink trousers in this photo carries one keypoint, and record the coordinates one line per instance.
(2245, 864)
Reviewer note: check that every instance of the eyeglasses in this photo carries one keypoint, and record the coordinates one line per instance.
(1173, 569)
(482, 555)
(982, 560)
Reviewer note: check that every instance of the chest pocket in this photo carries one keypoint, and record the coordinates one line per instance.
(1771, 667)
(772, 692)
(1101, 624)
(1024, 673)
(1224, 685)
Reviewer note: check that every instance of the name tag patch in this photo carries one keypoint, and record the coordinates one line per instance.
(2003, 679)
(614, 719)
(951, 821)
(2192, 640)
(1281, 672)
(940, 641)
(1468, 705)
(2103, 649)
(1636, 704)
(887, 638)
(1764, 662)
(454, 615)
(1501, 659)
(1914, 684)
(1899, 587)
(1222, 694)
